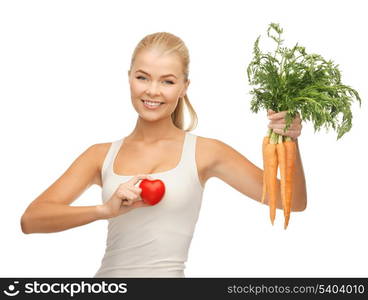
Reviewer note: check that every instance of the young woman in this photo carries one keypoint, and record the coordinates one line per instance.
(143, 240)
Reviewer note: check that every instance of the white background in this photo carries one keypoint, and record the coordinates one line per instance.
(64, 87)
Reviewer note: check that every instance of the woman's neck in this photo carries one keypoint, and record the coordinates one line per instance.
(151, 132)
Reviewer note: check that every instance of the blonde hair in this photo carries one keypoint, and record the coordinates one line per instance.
(169, 43)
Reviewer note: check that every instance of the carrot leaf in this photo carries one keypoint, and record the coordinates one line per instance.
(292, 80)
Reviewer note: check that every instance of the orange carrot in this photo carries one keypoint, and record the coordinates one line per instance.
(281, 157)
(264, 188)
(290, 147)
(271, 176)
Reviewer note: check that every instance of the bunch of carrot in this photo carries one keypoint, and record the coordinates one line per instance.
(278, 152)
(292, 80)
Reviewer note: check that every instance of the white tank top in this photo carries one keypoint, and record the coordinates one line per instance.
(153, 241)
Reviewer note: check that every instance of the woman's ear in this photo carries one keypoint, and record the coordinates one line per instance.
(185, 88)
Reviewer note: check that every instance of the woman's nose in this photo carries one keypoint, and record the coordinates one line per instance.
(153, 89)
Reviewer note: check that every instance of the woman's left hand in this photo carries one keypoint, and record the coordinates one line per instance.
(277, 123)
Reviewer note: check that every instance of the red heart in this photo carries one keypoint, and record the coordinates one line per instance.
(152, 191)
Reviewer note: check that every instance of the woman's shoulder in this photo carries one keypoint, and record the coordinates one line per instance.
(98, 153)
(210, 149)
(101, 150)
(213, 150)
(208, 144)
(210, 152)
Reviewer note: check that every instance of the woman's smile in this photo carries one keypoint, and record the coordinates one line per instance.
(151, 104)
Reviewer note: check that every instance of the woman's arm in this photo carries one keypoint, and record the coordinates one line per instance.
(49, 217)
(300, 187)
(51, 212)
(233, 168)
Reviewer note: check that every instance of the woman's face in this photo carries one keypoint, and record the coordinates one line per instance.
(156, 84)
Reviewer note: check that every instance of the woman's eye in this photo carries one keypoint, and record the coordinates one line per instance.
(169, 81)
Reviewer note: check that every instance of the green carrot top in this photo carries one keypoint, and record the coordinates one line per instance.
(292, 80)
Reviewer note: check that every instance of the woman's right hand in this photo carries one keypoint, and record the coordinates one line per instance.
(125, 198)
